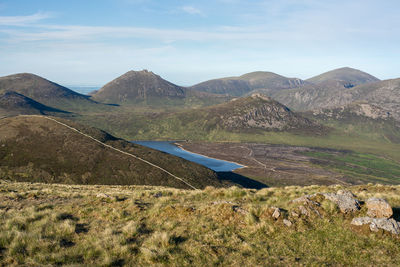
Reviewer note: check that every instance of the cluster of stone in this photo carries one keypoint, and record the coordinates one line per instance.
(379, 214)
(379, 217)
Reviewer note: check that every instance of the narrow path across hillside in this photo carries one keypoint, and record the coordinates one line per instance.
(113, 148)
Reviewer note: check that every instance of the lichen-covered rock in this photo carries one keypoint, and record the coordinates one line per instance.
(389, 225)
(378, 208)
(345, 201)
(287, 222)
(277, 213)
(304, 211)
(307, 200)
(294, 214)
(346, 193)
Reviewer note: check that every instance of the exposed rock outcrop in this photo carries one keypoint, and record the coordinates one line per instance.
(378, 208)
(389, 225)
(260, 112)
(345, 201)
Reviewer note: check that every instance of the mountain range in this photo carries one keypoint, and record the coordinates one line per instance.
(146, 87)
(247, 83)
(344, 108)
(332, 89)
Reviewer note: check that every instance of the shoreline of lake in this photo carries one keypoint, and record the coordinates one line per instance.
(181, 147)
(174, 148)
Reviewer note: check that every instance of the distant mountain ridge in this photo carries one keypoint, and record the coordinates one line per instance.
(244, 84)
(351, 77)
(328, 89)
(385, 94)
(149, 88)
(332, 89)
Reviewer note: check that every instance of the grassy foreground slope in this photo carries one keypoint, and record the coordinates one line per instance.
(139, 226)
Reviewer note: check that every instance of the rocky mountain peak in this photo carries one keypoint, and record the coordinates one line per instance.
(137, 86)
(261, 96)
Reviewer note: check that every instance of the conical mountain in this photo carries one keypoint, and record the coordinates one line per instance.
(13, 103)
(138, 86)
(39, 149)
(45, 91)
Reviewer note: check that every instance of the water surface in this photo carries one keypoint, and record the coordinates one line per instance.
(169, 147)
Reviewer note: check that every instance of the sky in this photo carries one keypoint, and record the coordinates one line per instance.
(91, 42)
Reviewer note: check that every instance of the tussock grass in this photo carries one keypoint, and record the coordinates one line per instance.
(42, 224)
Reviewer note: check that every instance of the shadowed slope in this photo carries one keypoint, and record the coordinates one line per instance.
(46, 92)
(12, 103)
(38, 149)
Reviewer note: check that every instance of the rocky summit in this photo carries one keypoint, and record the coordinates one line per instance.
(138, 86)
(260, 112)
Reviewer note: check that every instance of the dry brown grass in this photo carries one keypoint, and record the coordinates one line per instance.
(43, 224)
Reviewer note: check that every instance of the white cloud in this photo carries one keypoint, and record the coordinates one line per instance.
(264, 35)
(192, 10)
(98, 33)
(23, 20)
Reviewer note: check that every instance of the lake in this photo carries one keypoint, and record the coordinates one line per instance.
(169, 147)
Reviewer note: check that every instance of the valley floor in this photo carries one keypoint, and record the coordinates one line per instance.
(42, 224)
(282, 165)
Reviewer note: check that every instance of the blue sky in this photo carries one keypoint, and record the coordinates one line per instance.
(92, 42)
